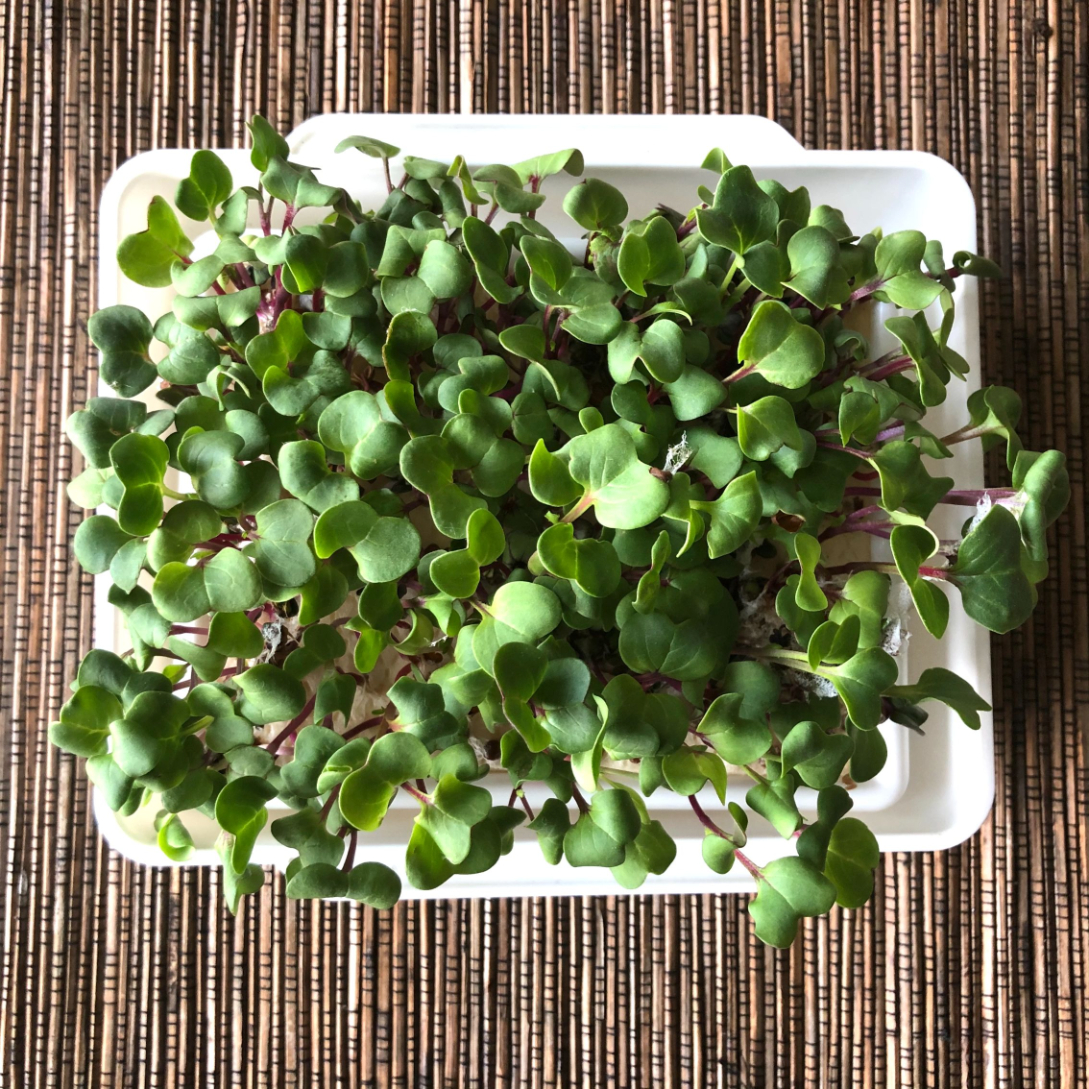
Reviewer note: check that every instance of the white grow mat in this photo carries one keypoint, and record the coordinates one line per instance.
(915, 804)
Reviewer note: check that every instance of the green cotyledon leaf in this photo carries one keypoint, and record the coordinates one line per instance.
(989, 572)
(592, 563)
(734, 515)
(650, 253)
(779, 348)
(947, 687)
(384, 548)
(912, 546)
(620, 487)
(861, 681)
(741, 213)
(788, 890)
(766, 426)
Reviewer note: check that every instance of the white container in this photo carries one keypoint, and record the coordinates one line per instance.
(914, 804)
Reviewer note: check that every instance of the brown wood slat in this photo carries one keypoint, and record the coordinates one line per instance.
(969, 968)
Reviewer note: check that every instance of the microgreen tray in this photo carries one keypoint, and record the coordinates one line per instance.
(914, 804)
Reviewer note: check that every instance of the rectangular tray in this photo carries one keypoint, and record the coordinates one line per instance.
(912, 805)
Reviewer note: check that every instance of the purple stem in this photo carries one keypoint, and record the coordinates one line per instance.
(580, 801)
(366, 724)
(327, 808)
(705, 820)
(710, 825)
(875, 529)
(971, 498)
(842, 449)
(861, 293)
(890, 433)
(902, 363)
(274, 745)
(349, 861)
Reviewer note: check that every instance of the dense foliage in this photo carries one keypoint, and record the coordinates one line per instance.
(453, 501)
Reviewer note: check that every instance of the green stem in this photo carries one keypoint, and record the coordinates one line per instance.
(772, 653)
(737, 294)
(610, 772)
(731, 272)
(754, 775)
(266, 225)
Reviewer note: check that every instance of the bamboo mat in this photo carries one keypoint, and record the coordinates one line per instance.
(969, 967)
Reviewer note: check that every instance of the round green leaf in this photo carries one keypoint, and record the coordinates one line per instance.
(595, 205)
(375, 885)
(779, 348)
(269, 694)
(97, 541)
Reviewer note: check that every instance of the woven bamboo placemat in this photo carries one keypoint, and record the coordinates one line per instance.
(967, 969)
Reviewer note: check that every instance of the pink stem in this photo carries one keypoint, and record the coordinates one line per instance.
(741, 372)
(748, 863)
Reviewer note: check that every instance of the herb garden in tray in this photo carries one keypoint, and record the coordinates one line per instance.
(395, 502)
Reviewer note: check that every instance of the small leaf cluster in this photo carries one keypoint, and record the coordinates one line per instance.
(406, 502)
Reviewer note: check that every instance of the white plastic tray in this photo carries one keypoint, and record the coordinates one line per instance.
(914, 804)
